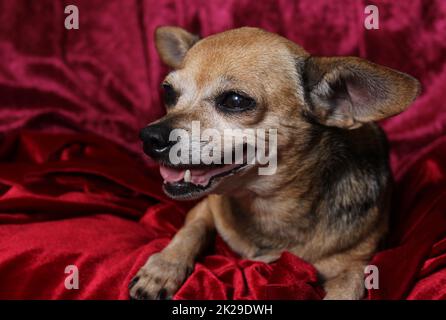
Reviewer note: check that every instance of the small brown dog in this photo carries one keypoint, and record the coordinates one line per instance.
(326, 203)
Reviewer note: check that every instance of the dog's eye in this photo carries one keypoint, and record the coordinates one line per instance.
(170, 96)
(233, 101)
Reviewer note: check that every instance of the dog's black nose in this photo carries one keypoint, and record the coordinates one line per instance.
(156, 139)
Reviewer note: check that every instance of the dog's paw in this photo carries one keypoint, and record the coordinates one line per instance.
(159, 278)
(342, 295)
(346, 290)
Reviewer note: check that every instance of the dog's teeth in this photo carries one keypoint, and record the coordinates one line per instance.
(187, 176)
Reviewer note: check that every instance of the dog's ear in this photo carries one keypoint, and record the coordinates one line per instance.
(348, 91)
(173, 43)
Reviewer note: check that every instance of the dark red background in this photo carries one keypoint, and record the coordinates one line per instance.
(73, 187)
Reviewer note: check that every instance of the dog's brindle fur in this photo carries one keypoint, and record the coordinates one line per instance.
(327, 202)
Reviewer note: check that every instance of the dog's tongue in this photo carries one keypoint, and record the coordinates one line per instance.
(171, 174)
(198, 176)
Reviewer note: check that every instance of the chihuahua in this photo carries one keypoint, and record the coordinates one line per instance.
(327, 201)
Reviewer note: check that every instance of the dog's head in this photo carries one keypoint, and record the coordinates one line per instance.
(248, 78)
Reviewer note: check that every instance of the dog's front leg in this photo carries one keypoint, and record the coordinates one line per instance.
(165, 272)
(344, 280)
(343, 272)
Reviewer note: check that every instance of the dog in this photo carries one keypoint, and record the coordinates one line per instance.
(329, 197)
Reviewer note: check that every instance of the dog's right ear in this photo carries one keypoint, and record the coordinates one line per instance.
(173, 43)
(346, 92)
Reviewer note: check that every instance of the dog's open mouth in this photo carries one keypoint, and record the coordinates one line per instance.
(194, 181)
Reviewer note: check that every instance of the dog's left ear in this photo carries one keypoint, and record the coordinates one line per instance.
(348, 91)
(173, 43)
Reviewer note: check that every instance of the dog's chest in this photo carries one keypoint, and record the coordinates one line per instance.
(258, 235)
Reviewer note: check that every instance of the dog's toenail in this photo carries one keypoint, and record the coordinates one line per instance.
(133, 282)
(162, 294)
(139, 294)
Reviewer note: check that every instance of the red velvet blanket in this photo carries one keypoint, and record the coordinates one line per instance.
(74, 189)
